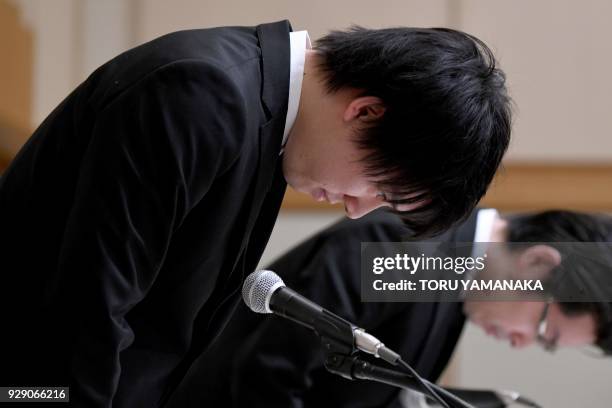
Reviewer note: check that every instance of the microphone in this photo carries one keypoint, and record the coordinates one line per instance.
(265, 292)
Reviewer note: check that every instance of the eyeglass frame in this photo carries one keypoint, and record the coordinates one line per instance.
(547, 344)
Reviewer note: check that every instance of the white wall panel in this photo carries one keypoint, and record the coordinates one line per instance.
(558, 57)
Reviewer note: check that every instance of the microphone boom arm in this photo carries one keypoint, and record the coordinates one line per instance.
(353, 367)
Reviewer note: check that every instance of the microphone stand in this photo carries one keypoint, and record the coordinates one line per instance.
(344, 361)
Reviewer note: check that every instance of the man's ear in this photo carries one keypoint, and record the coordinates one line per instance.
(365, 108)
(537, 261)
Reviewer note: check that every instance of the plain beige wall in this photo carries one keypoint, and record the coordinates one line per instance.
(55, 71)
(558, 57)
(318, 16)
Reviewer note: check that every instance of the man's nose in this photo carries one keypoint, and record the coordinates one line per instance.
(357, 207)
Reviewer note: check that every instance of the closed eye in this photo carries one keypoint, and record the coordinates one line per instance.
(382, 195)
(386, 199)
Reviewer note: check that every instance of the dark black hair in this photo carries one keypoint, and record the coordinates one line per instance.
(447, 120)
(570, 226)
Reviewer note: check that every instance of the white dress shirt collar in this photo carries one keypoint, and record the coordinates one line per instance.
(484, 224)
(299, 43)
(485, 220)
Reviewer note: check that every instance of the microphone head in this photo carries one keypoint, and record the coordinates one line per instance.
(258, 288)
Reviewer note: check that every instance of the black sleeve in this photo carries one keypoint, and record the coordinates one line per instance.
(281, 362)
(154, 152)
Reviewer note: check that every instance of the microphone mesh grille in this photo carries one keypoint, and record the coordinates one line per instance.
(257, 287)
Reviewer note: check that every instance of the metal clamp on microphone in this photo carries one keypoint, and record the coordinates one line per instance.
(370, 344)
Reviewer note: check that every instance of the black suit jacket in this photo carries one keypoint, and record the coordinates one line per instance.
(131, 216)
(266, 361)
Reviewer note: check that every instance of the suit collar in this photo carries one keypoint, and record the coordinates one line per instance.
(276, 60)
(466, 231)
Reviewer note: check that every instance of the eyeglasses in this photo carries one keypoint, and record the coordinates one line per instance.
(548, 344)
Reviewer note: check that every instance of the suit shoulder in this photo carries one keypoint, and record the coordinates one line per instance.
(225, 46)
(230, 50)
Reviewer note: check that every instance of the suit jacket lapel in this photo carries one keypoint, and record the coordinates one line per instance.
(275, 63)
(275, 56)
